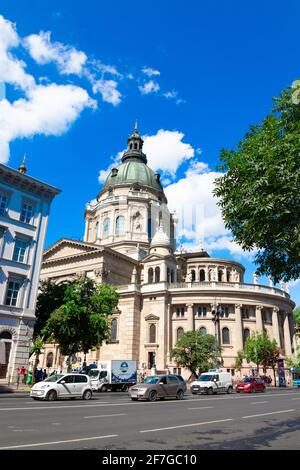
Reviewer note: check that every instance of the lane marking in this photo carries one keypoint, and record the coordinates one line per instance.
(201, 408)
(258, 402)
(33, 407)
(186, 425)
(295, 398)
(104, 416)
(266, 414)
(56, 424)
(37, 444)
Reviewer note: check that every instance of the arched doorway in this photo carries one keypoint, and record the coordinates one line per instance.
(5, 348)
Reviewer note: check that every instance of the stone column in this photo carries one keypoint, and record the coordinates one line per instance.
(239, 327)
(275, 324)
(258, 317)
(190, 317)
(287, 336)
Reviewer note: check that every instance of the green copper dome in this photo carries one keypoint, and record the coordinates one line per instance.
(133, 168)
(133, 171)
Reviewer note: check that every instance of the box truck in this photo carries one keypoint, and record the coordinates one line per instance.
(113, 375)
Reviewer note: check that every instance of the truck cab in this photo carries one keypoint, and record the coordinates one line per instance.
(212, 382)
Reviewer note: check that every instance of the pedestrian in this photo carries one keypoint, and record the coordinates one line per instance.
(22, 372)
(44, 376)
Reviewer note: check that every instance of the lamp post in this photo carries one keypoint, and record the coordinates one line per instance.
(217, 313)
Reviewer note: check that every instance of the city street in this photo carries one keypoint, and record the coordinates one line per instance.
(112, 421)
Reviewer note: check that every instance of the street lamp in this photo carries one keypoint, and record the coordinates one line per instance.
(217, 313)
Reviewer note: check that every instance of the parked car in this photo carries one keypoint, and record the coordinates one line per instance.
(158, 387)
(251, 384)
(212, 382)
(63, 386)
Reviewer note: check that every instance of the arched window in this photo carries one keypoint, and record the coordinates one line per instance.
(106, 225)
(120, 225)
(172, 275)
(202, 275)
(135, 145)
(113, 329)
(246, 334)
(180, 332)
(5, 335)
(228, 276)
(152, 333)
(202, 331)
(49, 360)
(225, 336)
(193, 275)
(157, 274)
(150, 275)
(97, 230)
(220, 274)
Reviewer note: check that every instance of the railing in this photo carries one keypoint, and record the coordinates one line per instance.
(228, 285)
(204, 286)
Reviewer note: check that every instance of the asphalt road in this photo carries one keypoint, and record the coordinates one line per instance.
(112, 421)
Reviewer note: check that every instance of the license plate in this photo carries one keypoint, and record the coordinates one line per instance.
(134, 395)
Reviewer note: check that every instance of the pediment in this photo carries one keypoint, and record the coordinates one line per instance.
(151, 317)
(65, 248)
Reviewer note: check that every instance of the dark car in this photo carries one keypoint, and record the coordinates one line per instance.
(158, 387)
(251, 384)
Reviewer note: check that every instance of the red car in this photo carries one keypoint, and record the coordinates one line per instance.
(251, 384)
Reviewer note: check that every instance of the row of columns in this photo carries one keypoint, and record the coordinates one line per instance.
(259, 326)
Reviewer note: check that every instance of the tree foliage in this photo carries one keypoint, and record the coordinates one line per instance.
(295, 360)
(296, 315)
(261, 350)
(51, 296)
(82, 321)
(196, 352)
(259, 194)
(239, 360)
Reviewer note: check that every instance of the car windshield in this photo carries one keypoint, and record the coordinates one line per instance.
(150, 380)
(247, 380)
(93, 373)
(205, 378)
(53, 378)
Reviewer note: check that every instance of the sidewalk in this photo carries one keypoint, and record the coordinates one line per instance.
(13, 390)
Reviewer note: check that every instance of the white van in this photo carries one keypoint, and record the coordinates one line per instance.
(212, 382)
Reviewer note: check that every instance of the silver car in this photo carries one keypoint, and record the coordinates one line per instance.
(63, 386)
(158, 387)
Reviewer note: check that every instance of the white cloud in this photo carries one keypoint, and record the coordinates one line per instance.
(166, 151)
(149, 87)
(108, 90)
(200, 219)
(12, 70)
(48, 110)
(150, 72)
(68, 59)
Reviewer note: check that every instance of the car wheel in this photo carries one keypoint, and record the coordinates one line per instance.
(251, 390)
(229, 390)
(179, 395)
(134, 399)
(152, 395)
(87, 395)
(104, 388)
(194, 393)
(51, 396)
(237, 391)
(210, 391)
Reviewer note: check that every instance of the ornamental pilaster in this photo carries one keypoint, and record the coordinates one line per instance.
(190, 317)
(287, 336)
(275, 324)
(239, 327)
(258, 318)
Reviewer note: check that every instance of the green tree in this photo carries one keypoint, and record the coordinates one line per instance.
(238, 364)
(296, 315)
(82, 321)
(259, 193)
(295, 360)
(50, 297)
(262, 351)
(196, 352)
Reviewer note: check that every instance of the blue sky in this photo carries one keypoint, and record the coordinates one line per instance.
(195, 74)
